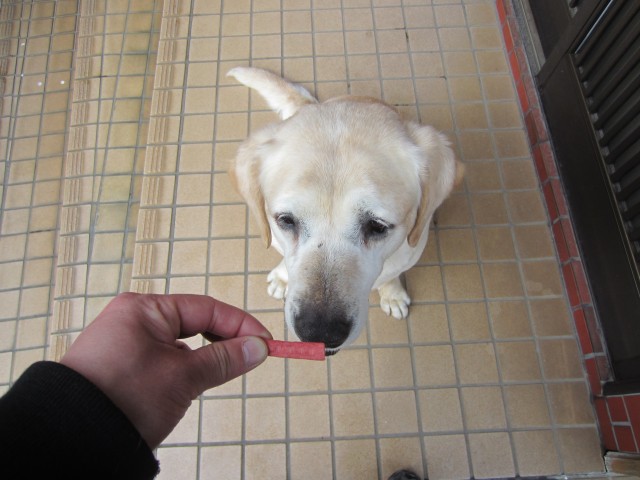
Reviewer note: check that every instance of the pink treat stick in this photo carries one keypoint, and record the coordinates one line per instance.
(301, 350)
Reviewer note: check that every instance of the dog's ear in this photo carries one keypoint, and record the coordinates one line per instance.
(439, 173)
(283, 97)
(245, 176)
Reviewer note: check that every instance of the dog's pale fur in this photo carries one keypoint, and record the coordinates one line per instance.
(345, 190)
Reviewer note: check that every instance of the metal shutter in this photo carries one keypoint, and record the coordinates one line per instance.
(608, 65)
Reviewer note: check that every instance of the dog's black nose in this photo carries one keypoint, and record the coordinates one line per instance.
(320, 325)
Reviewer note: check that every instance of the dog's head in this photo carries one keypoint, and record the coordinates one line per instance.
(337, 188)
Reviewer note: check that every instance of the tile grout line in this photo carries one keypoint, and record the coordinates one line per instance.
(142, 121)
(50, 284)
(153, 167)
(348, 438)
(368, 330)
(16, 90)
(243, 438)
(16, 79)
(210, 247)
(170, 29)
(71, 193)
(174, 203)
(463, 415)
(11, 135)
(414, 366)
(523, 383)
(287, 387)
(312, 19)
(330, 391)
(53, 267)
(94, 215)
(62, 341)
(95, 196)
(106, 151)
(501, 381)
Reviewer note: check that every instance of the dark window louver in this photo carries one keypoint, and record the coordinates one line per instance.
(608, 65)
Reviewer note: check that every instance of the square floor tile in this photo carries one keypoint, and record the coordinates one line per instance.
(265, 418)
(266, 461)
(518, 361)
(491, 455)
(435, 365)
(221, 420)
(352, 414)
(400, 453)
(224, 460)
(355, 456)
(570, 403)
(469, 321)
(178, 461)
(483, 408)
(535, 453)
(440, 410)
(312, 459)
(476, 363)
(304, 425)
(428, 323)
(351, 370)
(392, 367)
(527, 406)
(447, 456)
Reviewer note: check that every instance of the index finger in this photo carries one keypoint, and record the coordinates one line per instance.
(201, 313)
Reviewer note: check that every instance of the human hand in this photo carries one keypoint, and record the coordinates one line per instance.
(132, 353)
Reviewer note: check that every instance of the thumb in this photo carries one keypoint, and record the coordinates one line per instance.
(222, 361)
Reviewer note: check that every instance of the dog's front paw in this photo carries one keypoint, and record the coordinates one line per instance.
(394, 299)
(278, 280)
(277, 288)
(397, 307)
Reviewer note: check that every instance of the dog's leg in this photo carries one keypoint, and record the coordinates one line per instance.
(394, 299)
(278, 280)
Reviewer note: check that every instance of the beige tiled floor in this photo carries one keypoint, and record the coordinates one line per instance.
(37, 41)
(113, 76)
(482, 380)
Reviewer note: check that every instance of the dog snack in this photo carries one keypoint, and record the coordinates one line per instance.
(301, 350)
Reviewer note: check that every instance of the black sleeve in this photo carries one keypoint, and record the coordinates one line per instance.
(54, 423)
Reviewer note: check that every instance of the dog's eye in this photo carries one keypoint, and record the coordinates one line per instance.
(286, 221)
(375, 228)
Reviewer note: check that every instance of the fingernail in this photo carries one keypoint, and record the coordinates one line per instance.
(254, 351)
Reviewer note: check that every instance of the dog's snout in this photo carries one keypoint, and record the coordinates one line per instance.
(331, 327)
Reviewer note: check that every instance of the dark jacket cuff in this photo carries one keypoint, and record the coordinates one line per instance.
(55, 421)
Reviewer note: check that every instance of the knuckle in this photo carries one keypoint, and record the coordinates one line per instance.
(126, 297)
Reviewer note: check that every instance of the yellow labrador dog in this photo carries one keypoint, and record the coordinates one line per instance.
(345, 190)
